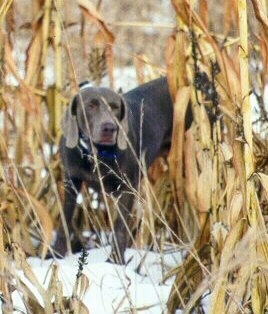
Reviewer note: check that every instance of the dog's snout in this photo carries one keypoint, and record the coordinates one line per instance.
(108, 128)
(107, 134)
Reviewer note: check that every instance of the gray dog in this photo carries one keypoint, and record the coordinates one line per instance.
(119, 129)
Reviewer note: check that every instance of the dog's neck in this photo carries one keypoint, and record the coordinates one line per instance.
(103, 151)
(106, 151)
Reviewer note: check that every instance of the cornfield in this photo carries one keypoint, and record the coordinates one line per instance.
(209, 198)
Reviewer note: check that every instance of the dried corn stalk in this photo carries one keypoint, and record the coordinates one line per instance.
(219, 177)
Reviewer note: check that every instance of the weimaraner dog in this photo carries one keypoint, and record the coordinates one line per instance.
(119, 129)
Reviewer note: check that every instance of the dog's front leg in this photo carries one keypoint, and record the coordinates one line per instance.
(72, 187)
(122, 227)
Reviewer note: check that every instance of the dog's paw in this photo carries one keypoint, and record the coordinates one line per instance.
(115, 259)
(60, 247)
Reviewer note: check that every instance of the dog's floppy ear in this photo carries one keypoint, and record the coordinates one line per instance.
(123, 128)
(69, 124)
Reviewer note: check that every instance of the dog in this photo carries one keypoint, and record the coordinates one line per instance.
(113, 130)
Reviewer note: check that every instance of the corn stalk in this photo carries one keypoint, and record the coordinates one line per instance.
(4, 6)
(210, 185)
(58, 67)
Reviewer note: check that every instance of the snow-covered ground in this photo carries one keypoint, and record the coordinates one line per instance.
(112, 288)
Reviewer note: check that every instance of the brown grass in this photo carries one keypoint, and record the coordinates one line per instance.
(209, 197)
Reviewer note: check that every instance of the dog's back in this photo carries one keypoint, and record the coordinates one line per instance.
(151, 117)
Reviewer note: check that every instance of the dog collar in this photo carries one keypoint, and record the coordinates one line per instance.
(106, 152)
(103, 151)
(83, 148)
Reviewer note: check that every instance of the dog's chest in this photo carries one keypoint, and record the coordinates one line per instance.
(106, 171)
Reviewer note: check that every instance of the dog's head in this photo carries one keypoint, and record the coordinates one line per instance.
(97, 113)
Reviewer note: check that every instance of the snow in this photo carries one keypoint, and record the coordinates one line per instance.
(112, 288)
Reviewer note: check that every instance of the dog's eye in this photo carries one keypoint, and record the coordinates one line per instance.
(94, 104)
(114, 106)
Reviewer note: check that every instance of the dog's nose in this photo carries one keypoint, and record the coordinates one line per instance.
(108, 128)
